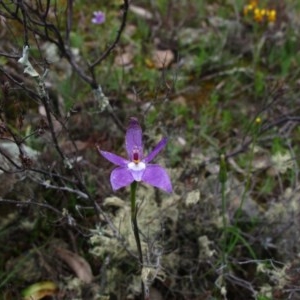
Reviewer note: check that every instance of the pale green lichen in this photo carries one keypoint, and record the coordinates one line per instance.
(192, 197)
(282, 162)
(205, 248)
(106, 241)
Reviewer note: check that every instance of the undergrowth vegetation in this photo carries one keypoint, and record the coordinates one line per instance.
(219, 79)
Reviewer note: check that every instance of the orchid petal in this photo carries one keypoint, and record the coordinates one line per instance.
(120, 177)
(133, 139)
(137, 170)
(113, 158)
(99, 17)
(157, 176)
(156, 150)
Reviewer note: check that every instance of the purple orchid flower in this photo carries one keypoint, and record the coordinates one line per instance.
(137, 167)
(99, 17)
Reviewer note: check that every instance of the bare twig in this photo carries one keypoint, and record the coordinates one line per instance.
(115, 42)
(47, 185)
(29, 202)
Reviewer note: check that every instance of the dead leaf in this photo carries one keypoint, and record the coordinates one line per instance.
(141, 12)
(180, 100)
(125, 56)
(39, 290)
(123, 59)
(162, 58)
(77, 263)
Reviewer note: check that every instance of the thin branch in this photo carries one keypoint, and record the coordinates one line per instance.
(45, 14)
(69, 21)
(23, 203)
(115, 42)
(9, 55)
(63, 188)
(20, 4)
(2, 152)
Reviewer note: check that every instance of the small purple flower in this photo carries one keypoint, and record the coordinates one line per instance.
(137, 167)
(99, 17)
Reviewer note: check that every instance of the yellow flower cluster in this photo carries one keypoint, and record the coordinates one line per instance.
(259, 14)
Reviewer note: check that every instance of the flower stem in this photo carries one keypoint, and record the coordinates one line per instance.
(223, 179)
(135, 227)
